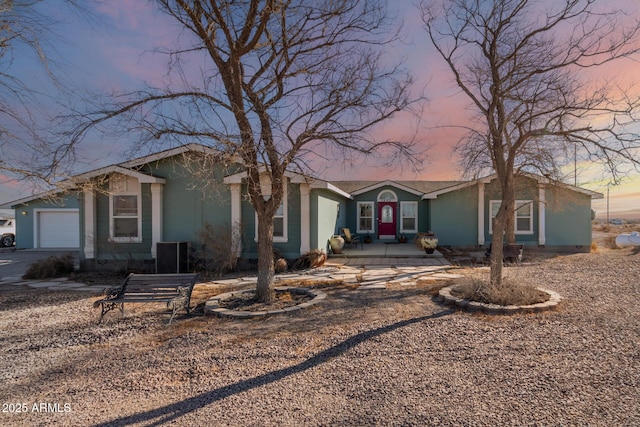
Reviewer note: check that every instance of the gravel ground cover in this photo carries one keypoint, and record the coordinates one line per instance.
(362, 357)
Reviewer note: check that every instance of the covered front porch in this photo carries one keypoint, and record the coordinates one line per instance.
(388, 254)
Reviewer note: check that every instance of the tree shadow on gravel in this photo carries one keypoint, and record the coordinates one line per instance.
(175, 410)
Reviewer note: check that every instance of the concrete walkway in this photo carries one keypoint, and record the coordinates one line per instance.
(374, 267)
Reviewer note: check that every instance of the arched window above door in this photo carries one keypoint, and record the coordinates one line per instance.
(387, 196)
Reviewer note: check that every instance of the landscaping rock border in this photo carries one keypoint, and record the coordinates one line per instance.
(212, 306)
(444, 296)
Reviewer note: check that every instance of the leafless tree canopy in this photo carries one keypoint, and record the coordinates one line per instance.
(25, 150)
(275, 80)
(524, 66)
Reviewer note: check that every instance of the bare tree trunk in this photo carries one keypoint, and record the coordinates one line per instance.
(266, 269)
(510, 229)
(497, 251)
(504, 219)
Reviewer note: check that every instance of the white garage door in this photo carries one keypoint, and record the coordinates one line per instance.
(58, 229)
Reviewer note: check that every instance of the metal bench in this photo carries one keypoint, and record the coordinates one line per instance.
(510, 253)
(172, 289)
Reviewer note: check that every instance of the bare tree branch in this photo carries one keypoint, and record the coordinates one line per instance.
(522, 65)
(283, 78)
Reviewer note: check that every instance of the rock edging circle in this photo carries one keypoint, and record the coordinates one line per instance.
(212, 306)
(444, 295)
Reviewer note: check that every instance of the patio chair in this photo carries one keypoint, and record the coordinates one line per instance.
(351, 240)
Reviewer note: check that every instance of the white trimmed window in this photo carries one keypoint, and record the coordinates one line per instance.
(124, 209)
(523, 221)
(280, 219)
(408, 217)
(365, 217)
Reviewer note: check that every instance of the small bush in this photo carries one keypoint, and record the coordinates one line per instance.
(50, 268)
(311, 259)
(610, 242)
(510, 293)
(217, 253)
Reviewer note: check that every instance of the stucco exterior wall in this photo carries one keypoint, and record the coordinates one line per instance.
(454, 217)
(568, 219)
(328, 215)
(289, 249)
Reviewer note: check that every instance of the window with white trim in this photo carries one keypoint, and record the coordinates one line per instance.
(280, 219)
(124, 209)
(408, 217)
(523, 215)
(365, 217)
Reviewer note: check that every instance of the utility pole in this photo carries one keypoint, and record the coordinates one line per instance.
(607, 205)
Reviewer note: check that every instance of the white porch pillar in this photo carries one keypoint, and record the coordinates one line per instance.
(480, 213)
(542, 207)
(305, 218)
(157, 194)
(236, 218)
(89, 224)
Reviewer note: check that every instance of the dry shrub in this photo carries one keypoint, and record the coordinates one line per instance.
(281, 265)
(311, 259)
(605, 228)
(217, 253)
(594, 248)
(50, 268)
(478, 288)
(610, 242)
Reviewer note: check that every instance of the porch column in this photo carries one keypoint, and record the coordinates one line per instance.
(157, 192)
(89, 224)
(480, 213)
(542, 207)
(236, 218)
(305, 218)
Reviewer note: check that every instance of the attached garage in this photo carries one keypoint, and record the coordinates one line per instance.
(57, 228)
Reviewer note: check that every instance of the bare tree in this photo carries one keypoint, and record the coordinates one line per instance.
(524, 64)
(26, 32)
(278, 80)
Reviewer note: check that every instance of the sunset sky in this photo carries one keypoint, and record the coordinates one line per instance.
(115, 55)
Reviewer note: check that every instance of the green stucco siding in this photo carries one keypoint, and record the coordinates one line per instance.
(289, 249)
(454, 217)
(568, 219)
(188, 204)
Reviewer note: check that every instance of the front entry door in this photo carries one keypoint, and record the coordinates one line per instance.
(387, 220)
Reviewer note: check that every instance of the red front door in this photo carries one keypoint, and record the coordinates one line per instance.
(387, 220)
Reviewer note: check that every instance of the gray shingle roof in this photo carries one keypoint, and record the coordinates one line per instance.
(420, 186)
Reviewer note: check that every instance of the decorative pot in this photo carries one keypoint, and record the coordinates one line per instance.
(336, 243)
(367, 239)
(402, 239)
(426, 241)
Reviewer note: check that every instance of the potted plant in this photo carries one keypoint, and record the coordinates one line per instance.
(367, 239)
(402, 238)
(427, 241)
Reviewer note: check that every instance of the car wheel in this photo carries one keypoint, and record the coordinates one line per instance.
(7, 240)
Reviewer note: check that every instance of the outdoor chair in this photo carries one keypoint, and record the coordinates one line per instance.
(351, 240)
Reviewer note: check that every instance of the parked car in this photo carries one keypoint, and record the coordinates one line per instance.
(7, 232)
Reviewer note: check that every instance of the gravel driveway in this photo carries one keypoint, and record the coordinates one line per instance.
(374, 357)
